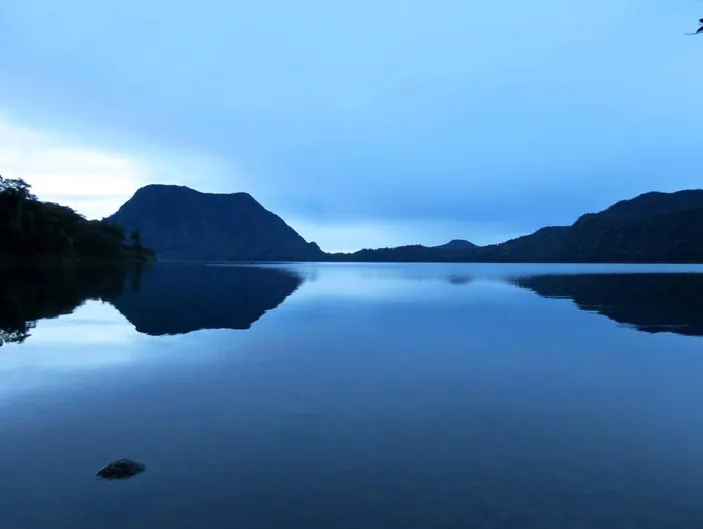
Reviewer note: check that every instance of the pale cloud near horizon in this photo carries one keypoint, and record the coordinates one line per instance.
(93, 182)
(96, 182)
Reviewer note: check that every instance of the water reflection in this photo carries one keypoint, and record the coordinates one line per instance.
(373, 399)
(159, 300)
(178, 299)
(456, 279)
(172, 299)
(29, 295)
(648, 302)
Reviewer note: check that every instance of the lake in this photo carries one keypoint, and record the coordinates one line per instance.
(339, 396)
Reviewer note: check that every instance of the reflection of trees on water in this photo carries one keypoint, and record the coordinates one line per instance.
(16, 335)
(29, 295)
(177, 299)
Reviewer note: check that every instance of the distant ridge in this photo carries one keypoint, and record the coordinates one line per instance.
(652, 227)
(180, 223)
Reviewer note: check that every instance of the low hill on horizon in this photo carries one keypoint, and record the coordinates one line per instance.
(457, 244)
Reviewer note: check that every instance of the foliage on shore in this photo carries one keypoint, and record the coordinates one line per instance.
(33, 231)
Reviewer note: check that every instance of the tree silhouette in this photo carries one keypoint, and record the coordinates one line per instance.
(136, 238)
(32, 229)
(16, 188)
(699, 30)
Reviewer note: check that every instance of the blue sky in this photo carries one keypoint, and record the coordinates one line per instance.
(363, 124)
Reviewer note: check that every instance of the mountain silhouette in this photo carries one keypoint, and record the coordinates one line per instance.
(181, 298)
(179, 223)
(651, 303)
(186, 225)
(652, 227)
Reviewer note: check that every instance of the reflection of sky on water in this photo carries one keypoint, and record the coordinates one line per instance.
(446, 271)
(98, 338)
(452, 298)
(459, 281)
(92, 343)
(396, 395)
(348, 285)
(93, 322)
(84, 339)
(93, 337)
(368, 281)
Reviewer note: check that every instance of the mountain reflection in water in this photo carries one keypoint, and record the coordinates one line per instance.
(178, 299)
(171, 299)
(158, 300)
(647, 302)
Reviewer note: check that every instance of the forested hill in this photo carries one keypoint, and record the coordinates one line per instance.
(180, 223)
(32, 230)
(650, 228)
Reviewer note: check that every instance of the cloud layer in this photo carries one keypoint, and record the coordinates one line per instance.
(367, 119)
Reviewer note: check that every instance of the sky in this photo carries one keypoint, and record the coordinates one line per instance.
(363, 124)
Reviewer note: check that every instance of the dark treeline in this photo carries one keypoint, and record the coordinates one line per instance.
(415, 253)
(32, 230)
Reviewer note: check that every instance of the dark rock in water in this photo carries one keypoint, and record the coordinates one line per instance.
(122, 469)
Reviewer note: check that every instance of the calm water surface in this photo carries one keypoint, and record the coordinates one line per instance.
(354, 396)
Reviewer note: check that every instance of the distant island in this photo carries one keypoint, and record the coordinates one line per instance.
(33, 231)
(182, 224)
